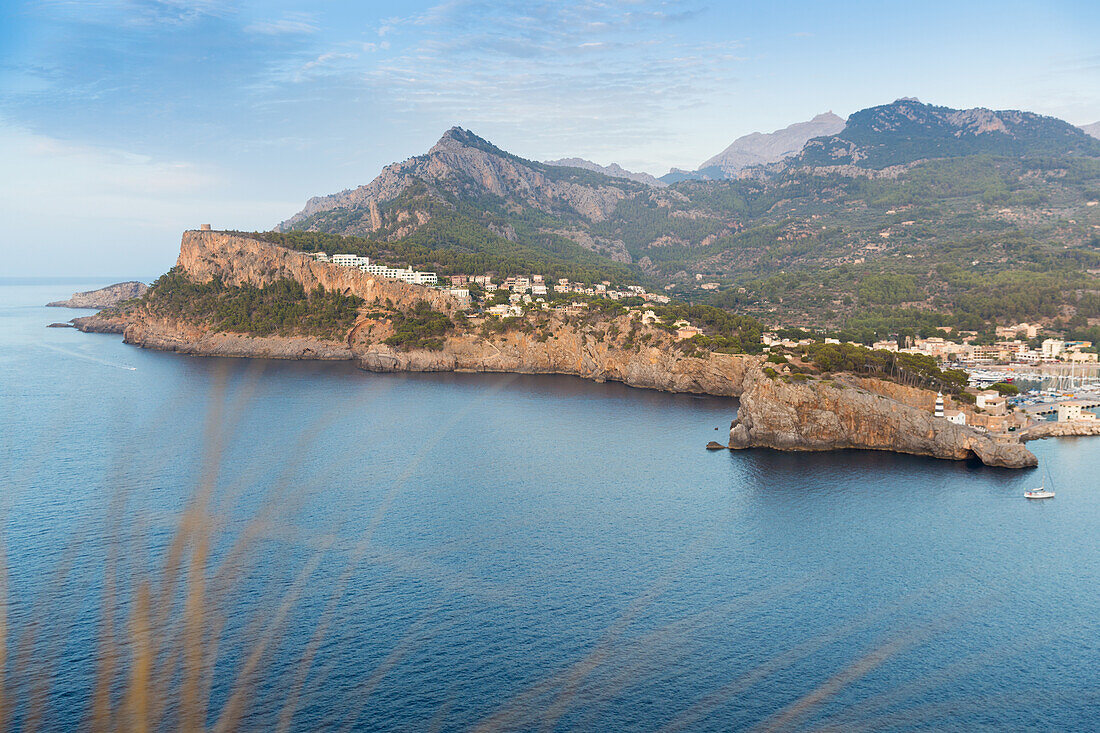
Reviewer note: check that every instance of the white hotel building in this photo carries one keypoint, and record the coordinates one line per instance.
(410, 276)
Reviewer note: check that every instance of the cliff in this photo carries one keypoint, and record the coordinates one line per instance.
(107, 297)
(836, 414)
(240, 260)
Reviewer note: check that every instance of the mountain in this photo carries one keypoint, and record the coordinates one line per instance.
(461, 167)
(908, 130)
(762, 148)
(614, 170)
(1093, 129)
(919, 215)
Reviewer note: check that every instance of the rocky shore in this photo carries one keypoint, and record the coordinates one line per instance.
(1061, 429)
(775, 412)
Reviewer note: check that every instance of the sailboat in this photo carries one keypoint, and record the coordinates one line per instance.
(1042, 492)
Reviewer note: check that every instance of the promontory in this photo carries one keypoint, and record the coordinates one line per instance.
(234, 294)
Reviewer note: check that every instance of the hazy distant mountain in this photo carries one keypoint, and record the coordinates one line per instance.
(761, 148)
(1093, 129)
(675, 175)
(908, 130)
(614, 170)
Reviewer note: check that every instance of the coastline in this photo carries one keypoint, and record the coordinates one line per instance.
(840, 412)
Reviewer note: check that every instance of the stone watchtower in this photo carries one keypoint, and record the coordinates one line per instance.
(204, 227)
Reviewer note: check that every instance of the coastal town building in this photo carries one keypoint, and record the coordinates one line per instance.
(955, 416)
(991, 401)
(1073, 411)
(1052, 348)
(1027, 330)
(346, 260)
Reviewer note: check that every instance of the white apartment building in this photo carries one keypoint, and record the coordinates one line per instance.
(346, 260)
(1052, 348)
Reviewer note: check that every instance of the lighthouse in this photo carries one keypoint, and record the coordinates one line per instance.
(939, 405)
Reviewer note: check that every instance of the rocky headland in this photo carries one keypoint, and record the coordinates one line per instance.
(107, 297)
(1071, 428)
(776, 411)
(846, 412)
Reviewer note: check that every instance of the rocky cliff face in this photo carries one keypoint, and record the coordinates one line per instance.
(107, 297)
(831, 415)
(573, 352)
(238, 260)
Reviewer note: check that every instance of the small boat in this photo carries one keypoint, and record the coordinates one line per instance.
(1042, 492)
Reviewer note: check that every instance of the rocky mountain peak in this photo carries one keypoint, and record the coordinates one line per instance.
(458, 137)
(908, 130)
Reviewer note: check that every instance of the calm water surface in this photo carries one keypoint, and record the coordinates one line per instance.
(542, 552)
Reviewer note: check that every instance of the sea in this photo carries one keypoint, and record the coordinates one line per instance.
(413, 552)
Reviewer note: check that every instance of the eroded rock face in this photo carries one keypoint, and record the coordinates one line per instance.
(831, 415)
(107, 297)
(238, 260)
(570, 353)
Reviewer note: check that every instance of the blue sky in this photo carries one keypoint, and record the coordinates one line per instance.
(123, 122)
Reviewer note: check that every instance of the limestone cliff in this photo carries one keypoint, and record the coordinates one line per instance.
(239, 259)
(835, 414)
(106, 297)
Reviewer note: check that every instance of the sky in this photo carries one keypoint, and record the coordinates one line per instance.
(124, 122)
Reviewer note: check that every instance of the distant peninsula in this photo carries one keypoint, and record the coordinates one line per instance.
(107, 297)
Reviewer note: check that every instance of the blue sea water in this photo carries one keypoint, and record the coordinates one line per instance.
(531, 553)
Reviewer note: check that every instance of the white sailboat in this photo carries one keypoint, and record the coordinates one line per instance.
(1042, 492)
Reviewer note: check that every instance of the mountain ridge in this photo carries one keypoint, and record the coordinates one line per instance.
(614, 170)
(908, 130)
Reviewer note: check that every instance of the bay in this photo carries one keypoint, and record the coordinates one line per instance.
(535, 552)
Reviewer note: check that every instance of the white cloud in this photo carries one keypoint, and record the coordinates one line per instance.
(293, 25)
